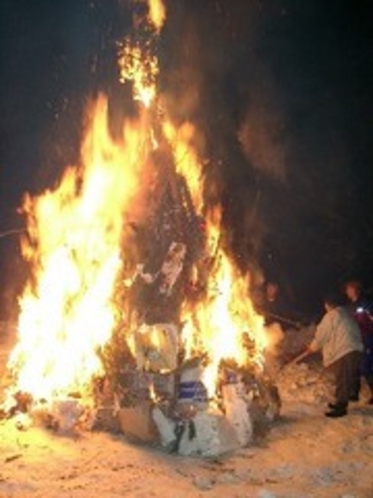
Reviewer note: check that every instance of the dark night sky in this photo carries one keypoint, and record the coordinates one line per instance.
(282, 91)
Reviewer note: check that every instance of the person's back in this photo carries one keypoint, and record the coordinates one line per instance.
(338, 337)
(338, 334)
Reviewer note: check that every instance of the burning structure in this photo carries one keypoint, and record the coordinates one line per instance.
(132, 295)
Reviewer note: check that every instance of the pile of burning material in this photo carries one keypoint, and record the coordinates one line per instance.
(134, 306)
(196, 386)
(66, 415)
(174, 409)
(179, 386)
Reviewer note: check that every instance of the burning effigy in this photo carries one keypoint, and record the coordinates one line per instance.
(134, 314)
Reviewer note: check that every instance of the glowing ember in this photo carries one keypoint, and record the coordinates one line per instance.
(143, 76)
(136, 61)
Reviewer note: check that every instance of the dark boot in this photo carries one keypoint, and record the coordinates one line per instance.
(338, 410)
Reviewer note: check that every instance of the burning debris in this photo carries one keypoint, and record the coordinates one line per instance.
(134, 315)
(174, 408)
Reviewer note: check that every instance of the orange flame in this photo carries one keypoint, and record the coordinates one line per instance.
(217, 324)
(73, 246)
(186, 160)
(157, 13)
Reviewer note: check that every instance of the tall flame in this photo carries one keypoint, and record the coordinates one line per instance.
(220, 321)
(73, 246)
(224, 320)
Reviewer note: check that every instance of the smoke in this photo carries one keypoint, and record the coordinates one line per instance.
(264, 84)
(262, 132)
(274, 336)
(213, 77)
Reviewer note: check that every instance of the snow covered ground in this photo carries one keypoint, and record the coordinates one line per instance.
(304, 455)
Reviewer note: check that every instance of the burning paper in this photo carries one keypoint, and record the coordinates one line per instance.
(156, 347)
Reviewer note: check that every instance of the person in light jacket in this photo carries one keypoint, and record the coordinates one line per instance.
(339, 339)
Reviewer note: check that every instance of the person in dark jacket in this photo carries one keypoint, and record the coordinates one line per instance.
(276, 308)
(362, 310)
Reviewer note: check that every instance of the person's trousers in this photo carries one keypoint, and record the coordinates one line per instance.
(366, 369)
(347, 375)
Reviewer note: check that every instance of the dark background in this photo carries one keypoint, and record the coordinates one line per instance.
(281, 91)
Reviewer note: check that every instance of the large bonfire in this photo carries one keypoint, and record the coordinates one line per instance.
(129, 274)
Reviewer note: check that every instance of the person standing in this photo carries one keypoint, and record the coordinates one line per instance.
(339, 339)
(276, 308)
(362, 310)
